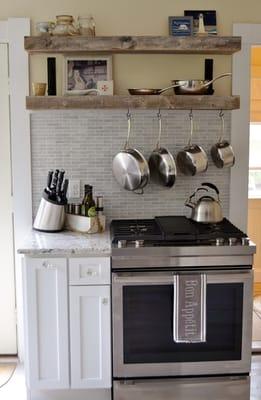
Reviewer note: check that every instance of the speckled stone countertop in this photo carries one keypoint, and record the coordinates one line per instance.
(66, 243)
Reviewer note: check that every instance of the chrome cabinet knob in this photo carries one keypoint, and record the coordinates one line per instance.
(105, 301)
(47, 265)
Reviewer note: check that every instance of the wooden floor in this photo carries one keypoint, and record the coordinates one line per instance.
(256, 378)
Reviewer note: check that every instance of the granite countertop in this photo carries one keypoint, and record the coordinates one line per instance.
(66, 243)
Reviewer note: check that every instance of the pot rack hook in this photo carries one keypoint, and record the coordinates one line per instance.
(159, 114)
(128, 114)
(221, 113)
(191, 114)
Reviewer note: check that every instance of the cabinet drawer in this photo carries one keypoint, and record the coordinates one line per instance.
(90, 271)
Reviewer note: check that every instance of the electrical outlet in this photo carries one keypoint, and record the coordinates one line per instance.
(74, 189)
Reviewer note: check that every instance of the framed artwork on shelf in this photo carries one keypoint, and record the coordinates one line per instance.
(209, 17)
(181, 26)
(81, 74)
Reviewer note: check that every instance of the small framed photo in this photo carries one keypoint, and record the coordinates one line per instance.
(209, 17)
(81, 74)
(181, 26)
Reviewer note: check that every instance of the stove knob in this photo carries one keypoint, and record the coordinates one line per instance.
(122, 243)
(220, 241)
(232, 241)
(245, 241)
(139, 243)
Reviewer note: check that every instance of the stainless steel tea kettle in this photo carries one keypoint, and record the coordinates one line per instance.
(206, 209)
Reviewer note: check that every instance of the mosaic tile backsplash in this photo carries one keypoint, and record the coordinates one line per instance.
(85, 142)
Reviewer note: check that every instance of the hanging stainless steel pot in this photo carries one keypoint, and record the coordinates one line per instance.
(193, 158)
(206, 209)
(222, 152)
(162, 164)
(130, 168)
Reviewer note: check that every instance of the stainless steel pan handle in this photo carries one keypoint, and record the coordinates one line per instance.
(127, 145)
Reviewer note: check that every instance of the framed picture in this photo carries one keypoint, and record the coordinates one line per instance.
(81, 74)
(210, 20)
(181, 26)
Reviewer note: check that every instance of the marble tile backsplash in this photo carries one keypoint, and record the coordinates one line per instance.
(85, 142)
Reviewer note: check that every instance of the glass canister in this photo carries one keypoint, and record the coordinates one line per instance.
(86, 25)
(64, 26)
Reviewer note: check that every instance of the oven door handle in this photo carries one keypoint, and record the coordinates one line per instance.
(166, 277)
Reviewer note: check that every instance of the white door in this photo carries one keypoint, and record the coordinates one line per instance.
(90, 327)
(8, 343)
(46, 323)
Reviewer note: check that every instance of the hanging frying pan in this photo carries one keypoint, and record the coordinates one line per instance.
(161, 162)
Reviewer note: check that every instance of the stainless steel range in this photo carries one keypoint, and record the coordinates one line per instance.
(182, 309)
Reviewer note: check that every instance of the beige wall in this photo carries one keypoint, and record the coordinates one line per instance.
(137, 17)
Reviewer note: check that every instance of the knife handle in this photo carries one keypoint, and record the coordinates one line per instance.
(49, 179)
(65, 188)
(55, 179)
(60, 181)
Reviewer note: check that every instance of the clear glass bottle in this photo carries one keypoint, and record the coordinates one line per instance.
(86, 25)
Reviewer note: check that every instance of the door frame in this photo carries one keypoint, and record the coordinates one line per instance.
(238, 209)
(12, 32)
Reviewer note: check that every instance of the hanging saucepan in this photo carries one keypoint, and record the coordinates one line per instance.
(195, 86)
(130, 168)
(193, 158)
(192, 86)
(162, 164)
(222, 152)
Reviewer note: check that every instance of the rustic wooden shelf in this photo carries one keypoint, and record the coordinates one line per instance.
(178, 102)
(134, 44)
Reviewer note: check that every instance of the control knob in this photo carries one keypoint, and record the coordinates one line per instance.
(232, 241)
(139, 243)
(245, 241)
(122, 243)
(220, 241)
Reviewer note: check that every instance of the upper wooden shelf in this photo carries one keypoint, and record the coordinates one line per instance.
(134, 44)
(178, 102)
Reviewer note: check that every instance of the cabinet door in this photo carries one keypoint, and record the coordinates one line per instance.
(90, 327)
(46, 323)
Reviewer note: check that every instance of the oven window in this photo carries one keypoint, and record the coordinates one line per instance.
(148, 325)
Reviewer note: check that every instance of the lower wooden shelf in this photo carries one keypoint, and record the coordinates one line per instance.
(175, 102)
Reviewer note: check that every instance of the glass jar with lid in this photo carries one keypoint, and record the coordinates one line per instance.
(64, 26)
(86, 25)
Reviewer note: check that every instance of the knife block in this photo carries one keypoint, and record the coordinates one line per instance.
(50, 216)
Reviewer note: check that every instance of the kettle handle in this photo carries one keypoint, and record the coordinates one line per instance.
(188, 202)
(211, 185)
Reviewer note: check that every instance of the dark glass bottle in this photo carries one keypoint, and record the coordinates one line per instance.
(88, 204)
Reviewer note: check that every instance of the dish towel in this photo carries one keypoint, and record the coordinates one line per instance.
(189, 308)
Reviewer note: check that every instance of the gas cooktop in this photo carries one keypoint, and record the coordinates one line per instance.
(174, 231)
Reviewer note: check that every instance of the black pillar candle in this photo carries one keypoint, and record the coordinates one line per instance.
(51, 76)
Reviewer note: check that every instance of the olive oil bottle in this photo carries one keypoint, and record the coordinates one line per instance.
(88, 208)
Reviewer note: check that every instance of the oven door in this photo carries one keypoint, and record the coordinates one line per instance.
(143, 344)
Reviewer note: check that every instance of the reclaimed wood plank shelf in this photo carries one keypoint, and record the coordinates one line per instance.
(133, 44)
(178, 102)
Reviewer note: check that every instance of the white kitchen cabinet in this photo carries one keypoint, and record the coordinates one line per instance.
(45, 287)
(90, 336)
